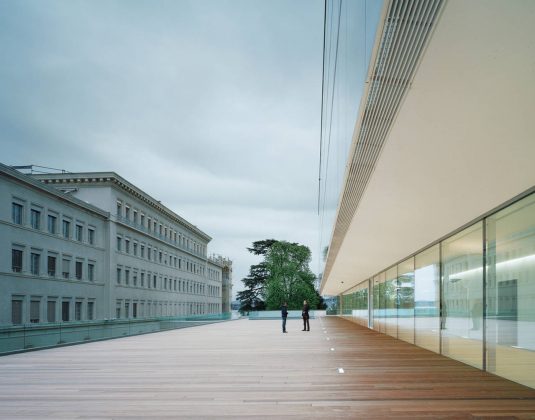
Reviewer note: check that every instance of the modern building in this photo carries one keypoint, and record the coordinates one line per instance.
(93, 246)
(430, 238)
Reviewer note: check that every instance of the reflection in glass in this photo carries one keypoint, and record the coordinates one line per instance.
(350, 35)
(405, 296)
(462, 301)
(427, 299)
(379, 303)
(391, 301)
(510, 289)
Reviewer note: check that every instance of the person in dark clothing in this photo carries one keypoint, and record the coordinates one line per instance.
(304, 314)
(284, 313)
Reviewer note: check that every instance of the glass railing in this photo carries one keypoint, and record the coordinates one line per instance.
(254, 315)
(38, 336)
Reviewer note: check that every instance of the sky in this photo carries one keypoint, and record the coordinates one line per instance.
(210, 106)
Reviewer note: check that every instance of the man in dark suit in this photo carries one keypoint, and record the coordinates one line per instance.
(284, 313)
(304, 314)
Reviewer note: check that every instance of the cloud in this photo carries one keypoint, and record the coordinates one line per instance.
(210, 106)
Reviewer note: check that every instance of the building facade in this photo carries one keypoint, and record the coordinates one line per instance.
(125, 255)
(433, 238)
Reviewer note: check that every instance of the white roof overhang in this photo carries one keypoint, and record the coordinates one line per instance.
(461, 143)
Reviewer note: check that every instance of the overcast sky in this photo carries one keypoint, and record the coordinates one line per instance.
(211, 106)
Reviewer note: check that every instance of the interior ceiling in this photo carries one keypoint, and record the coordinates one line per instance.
(462, 143)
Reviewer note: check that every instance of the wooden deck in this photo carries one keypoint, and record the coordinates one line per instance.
(249, 369)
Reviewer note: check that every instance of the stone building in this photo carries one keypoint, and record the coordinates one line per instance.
(87, 246)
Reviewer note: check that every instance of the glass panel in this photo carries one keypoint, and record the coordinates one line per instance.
(405, 289)
(16, 260)
(462, 285)
(64, 311)
(36, 219)
(78, 311)
(391, 302)
(16, 312)
(34, 263)
(379, 317)
(51, 311)
(34, 311)
(511, 292)
(90, 310)
(355, 303)
(51, 224)
(427, 299)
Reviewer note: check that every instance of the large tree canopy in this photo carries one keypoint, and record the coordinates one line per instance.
(283, 276)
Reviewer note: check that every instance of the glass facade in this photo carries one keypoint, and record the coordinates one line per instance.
(462, 294)
(350, 29)
(470, 297)
(510, 292)
(355, 303)
(427, 299)
(405, 300)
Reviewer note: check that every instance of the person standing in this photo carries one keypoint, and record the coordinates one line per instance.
(284, 313)
(304, 314)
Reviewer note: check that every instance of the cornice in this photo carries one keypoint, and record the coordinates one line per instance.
(113, 179)
(11, 173)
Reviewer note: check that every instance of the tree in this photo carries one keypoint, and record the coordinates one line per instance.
(289, 276)
(283, 276)
(252, 298)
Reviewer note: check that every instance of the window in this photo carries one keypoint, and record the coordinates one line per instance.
(35, 259)
(165, 283)
(118, 276)
(149, 253)
(91, 272)
(127, 213)
(154, 224)
(90, 310)
(119, 209)
(148, 223)
(127, 310)
(35, 307)
(66, 268)
(154, 281)
(78, 311)
(79, 233)
(78, 270)
(51, 266)
(66, 229)
(51, 311)
(134, 310)
(119, 243)
(160, 256)
(127, 246)
(16, 213)
(134, 279)
(142, 219)
(36, 219)
(16, 260)
(16, 311)
(91, 236)
(118, 309)
(142, 251)
(161, 229)
(135, 249)
(52, 223)
(65, 309)
(135, 217)
(127, 277)
(142, 279)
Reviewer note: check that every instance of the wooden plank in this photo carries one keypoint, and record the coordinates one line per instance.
(245, 369)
